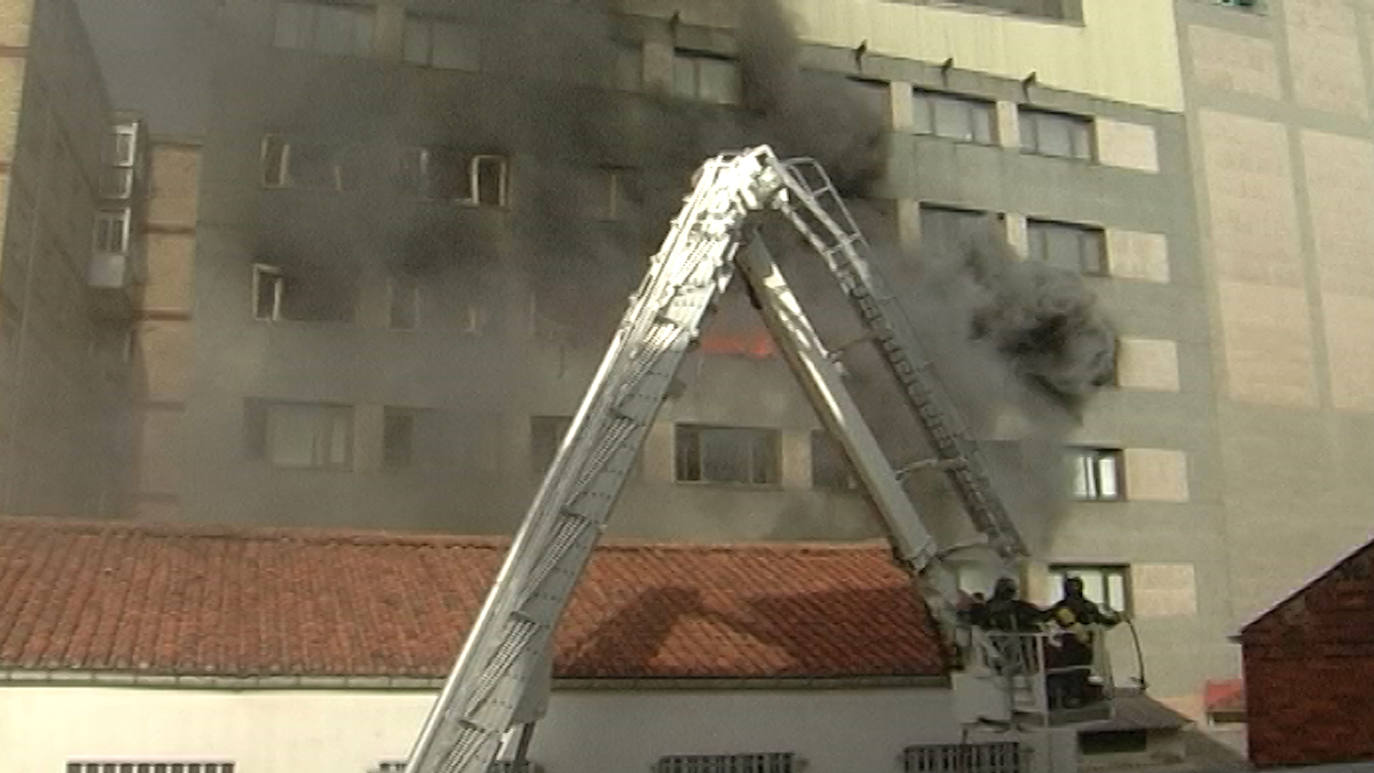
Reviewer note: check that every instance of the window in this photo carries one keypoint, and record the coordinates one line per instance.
(497, 766)
(954, 117)
(605, 191)
(992, 757)
(296, 164)
(269, 288)
(1097, 474)
(1106, 585)
(1112, 741)
(398, 437)
(769, 762)
(309, 294)
(327, 29)
(945, 227)
(120, 145)
(1066, 245)
(874, 95)
(706, 77)
(627, 66)
(441, 44)
(403, 301)
(150, 767)
(727, 455)
(829, 465)
(291, 434)
(546, 435)
(112, 230)
(116, 182)
(1056, 134)
(443, 173)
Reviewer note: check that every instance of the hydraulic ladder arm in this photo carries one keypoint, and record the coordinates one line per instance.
(506, 647)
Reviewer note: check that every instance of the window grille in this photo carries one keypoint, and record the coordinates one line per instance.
(150, 767)
(996, 757)
(766, 762)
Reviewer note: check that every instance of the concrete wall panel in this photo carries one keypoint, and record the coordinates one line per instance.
(175, 184)
(1147, 363)
(1324, 54)
(163, 357)
(1163, 590)
(168, 258)
(1250, 191)
(1350, 349)
(1268, 340)
(1156, 474)
(1340, 185)
(1137, 255)
(160, 445)
(1129, 145)
(1234, 62)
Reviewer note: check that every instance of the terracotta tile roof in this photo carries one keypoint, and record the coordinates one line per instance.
(158, 599)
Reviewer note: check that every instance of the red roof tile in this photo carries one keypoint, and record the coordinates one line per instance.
(111, 596)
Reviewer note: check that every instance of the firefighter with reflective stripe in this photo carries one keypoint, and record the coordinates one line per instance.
(1070, 651)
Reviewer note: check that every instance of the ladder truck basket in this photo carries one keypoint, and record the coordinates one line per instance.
(1046, 678)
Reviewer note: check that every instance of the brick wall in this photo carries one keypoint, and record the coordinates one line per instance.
(1309, 671)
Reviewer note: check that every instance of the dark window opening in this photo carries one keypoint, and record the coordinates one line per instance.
(448, 174)
(741, 455)
(953, 117)
(830, 467)
(1097, 474)
(546, 435)
(398, 437)
(1113, 741)
(1069, 246)
(1056, 134)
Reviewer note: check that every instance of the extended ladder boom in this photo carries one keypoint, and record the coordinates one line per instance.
(504, 654)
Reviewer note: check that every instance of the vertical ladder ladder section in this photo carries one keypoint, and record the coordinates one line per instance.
(504, 651)
(815, 208)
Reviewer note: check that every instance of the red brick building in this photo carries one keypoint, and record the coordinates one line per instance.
(1309, 670)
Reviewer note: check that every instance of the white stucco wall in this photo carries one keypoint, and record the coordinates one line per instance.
(343, 731)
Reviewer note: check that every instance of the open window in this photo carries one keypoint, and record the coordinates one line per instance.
(302, 294)
(299, 434)
(474, 179)
(292, 163)
(1097, 474)
(739, 455)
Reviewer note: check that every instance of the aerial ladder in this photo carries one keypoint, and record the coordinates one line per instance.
(496, 688)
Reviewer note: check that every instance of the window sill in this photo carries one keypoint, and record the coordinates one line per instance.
(730, 485)
(1074, 159)
(956, 140)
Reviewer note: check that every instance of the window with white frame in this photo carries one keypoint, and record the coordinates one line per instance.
(334, 28)
(112, 230)
(444, 45)
(269, 292)
(1104, 584)
(1056, 134)
(1097, 474)
(149, 767)
(475, 179)
(829, 465)
(742, 455)
(121, 145)
(706, 77)
(292, 163)
(765, 762)
(989, 757)
(1079, 248)
(116, 182)
(403, 302)
(954, 117)
(299, 434)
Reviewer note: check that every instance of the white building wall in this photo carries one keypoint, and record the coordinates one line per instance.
(350, 731)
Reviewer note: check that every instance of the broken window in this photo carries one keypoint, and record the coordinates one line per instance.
(1056, 134)
(443, 173)
(727, 455)
(269, 287)
(299, 434)
(829, 465)
(302, 294)
(328, 29)
(112, 230)
(767, 762)
(706, 77)
(1067, 245)
(290, 163)
(546, 435)
(403, 302)
(398, 437)
(954, 117)
(1102, 584)
(1097, 474)
(441, 44)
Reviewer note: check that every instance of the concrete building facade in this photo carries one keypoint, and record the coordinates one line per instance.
(64, 296)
